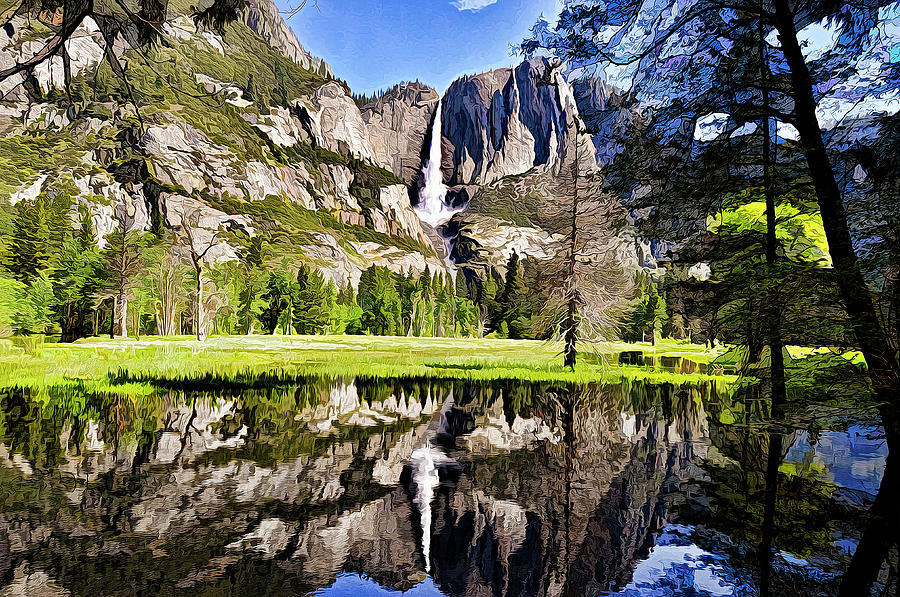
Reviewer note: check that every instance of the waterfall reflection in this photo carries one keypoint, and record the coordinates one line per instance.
(330, 485)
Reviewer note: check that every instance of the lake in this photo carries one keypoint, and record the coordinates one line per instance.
(372, 487)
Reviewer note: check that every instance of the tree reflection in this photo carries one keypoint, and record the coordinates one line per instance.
(539, 490)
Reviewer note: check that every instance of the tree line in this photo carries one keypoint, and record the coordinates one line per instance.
(59, 276)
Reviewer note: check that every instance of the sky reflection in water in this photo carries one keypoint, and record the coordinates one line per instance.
(342, 487)
(362, 586)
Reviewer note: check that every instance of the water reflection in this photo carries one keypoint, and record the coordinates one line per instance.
(363, 586)
(345, 486)
(853, 460)
(676, 564)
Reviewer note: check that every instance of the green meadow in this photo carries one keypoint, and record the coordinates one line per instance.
(136, 366)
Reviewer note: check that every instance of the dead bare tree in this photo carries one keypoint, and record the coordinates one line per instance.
(198, 248)
(122, 260)
(587, 274)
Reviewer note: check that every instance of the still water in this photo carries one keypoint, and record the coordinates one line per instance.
(339, 487)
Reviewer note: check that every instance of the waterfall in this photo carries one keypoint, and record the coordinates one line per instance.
(431, 208)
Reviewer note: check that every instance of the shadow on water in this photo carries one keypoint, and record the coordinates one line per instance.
(356, 486)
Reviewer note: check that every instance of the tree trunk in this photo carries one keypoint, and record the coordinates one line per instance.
(777, 382)
(570, 354)
(123, 316)
(168, 303)
(571, 351)
(776, 444)
(873, 341)
(119, 327)
(199, 314)
(892, 319)
(66, 333)
(879, 536)
(452, 316)
(289, 328)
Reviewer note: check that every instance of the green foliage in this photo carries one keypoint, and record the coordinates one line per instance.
(346, 319)
(76, 279)
(290, 224)
(250, 303)
(279, 298)
(510, 309)
(313, 302)
(35, 312)
(38, 230)
(12, 295)
(466, 318)
(380, 302)
(649, 316)
(798, 232)
(24, 157)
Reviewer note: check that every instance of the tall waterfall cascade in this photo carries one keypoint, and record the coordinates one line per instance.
(432, 208)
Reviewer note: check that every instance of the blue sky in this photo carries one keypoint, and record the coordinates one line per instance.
(373, 44)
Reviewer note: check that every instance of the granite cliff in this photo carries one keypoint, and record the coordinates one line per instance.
(241, 129)
(238, 129)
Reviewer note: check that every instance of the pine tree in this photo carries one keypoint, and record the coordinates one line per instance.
(30, 251)
(251, 283)
(462, 288)
(279, 302)
(380, 302)
(511, 302)
(311, 303)
(486, 296)
(657, 313)
(76, 270)
(346, 295)
(35, 312)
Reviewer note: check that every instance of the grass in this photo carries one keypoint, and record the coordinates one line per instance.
(134, 367)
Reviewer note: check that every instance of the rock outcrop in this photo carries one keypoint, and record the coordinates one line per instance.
(398, 123)
(264, 19)
(232, 157)
(506, 122)
(509, 139)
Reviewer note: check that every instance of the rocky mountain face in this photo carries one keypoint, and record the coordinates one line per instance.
(507, 136)
(398, 123)
(506, 122)
(244, 129)
(240, 129)
(263, 18)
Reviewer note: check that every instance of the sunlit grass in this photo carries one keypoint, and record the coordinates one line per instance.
(99, 365)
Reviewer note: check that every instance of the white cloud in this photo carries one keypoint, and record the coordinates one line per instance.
(473, 5)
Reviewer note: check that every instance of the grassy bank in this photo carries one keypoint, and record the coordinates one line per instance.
(134, 366)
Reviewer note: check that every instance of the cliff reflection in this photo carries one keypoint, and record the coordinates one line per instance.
(453, 489)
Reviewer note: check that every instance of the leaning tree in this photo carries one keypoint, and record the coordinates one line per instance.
(671, 53)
